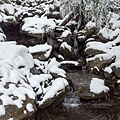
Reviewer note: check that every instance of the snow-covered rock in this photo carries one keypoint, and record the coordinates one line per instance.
(54, 93)
(37, 27)
(41, 52)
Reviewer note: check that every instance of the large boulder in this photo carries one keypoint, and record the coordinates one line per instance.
(52, 91)
(87, 86)
(94, 89)
(38, 27)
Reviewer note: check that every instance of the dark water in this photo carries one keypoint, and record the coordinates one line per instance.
(74, 109)
(95, 111)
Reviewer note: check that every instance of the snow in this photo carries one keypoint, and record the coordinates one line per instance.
(65, 33)
(108, 69)
(11, 119)
(97, 86)
(8, 7)
(38, 25)
(70, 62)
(53, 67)
(61, 57)
(17, 52)
(29, 107)
(41, 48)
(2, 110)
(90, 24)
(65, 45)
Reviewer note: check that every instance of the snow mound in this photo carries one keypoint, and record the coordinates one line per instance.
(97, 86)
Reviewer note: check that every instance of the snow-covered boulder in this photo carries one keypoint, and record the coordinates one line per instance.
(109, 58)
(53, 94)
(93, 90)
(92, 48)
(41, 52)
(50, 67)
(70, 65)
(38, 27)
(16, 95)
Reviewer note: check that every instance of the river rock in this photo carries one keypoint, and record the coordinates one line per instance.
(70, 65)
(55, 15)
(81, 85)
(66, 36)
